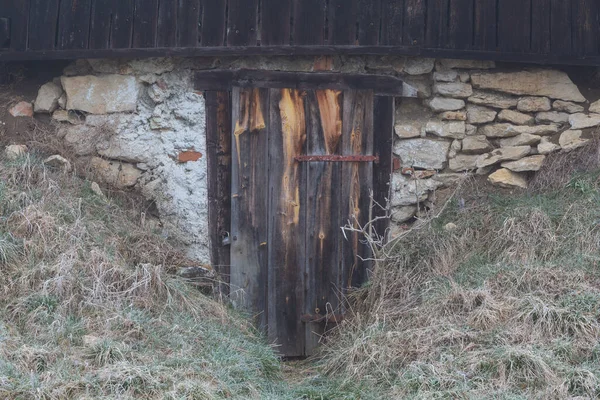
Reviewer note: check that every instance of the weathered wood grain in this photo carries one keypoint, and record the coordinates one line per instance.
(166, 34)
(357, 138)
(249, 200)
(436, 33)
(145, 23)
(561, 29)
(485, 23)
(218, 141)
(43, 17)
(74, 24)
(100, 24)
(460, 24)
(309, 22)
(122, 24)
(323, 236)
(540, 26)
(17, 15)
(514, 25)
(213, 22)
(188, 20)
(392, 22)
(242, 22)
(384, 110)
(414, 23)
(275, 29)
(287, 219)
(369, 22)
(343, 16)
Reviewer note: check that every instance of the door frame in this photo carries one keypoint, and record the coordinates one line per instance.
(217, 85)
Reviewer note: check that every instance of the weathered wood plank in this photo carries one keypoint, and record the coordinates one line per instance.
(122, 24)
(514, 25)
(383, 139)
(43, 15)
(100, 24)
(586, 27)
(17, 14)
(287, 218)
(145, 23)
(460, 24)
(561, 28)
(166, 35)
(436, 34)
(343, 16)
(369, 22)
(540, 26)
(218, 140)
(414, 22)
(242, 23)
(4, 33)
(323, 236)
(213, 22)
(222, 79)
(249, 201)
(275, 29)
(188, 19)
(74, 24)
(392, 22)
(309, 22)
(485, 25)
(357, 138)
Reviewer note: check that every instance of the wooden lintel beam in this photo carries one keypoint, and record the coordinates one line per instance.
(315, 50)
(226, 79)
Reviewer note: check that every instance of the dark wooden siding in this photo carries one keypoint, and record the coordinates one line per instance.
(553, 31)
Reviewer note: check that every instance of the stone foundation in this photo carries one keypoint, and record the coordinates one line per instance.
(141, 125)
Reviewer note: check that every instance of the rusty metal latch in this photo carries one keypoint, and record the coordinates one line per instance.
(337, 158)
(317, 318)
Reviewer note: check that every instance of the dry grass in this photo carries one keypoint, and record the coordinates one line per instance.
(506, 306)
(88, 308)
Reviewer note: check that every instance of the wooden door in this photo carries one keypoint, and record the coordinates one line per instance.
(296, 182)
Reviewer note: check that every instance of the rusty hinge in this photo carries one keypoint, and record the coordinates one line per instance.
(330, 318)
(337, 158)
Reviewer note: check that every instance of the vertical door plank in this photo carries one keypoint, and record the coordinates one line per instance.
(343, 15)
(188, 19)
(309, 22)
(514, 25)
(145, 23)
(560, 33)
(586, 27)
(485, 25)
(249, 200)
(122, 24)
(540, 26)
(357, 138)
(369, 22)
(461, 24)
(43, 15)
(287, 218)
(167, 23)
(436, 34)
(100, 24)
(18, 14)
(323, 237)
(74, 24)
(383, 139)
(218, 140)
(275, 19)
(392, 22)
(414, 22)
(242, 23)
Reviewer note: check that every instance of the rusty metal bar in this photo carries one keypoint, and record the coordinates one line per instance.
(337, 158)
(317, 318)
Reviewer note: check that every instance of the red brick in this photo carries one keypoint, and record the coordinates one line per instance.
(189, 156)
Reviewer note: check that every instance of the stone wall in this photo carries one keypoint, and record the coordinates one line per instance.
(141, 125)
